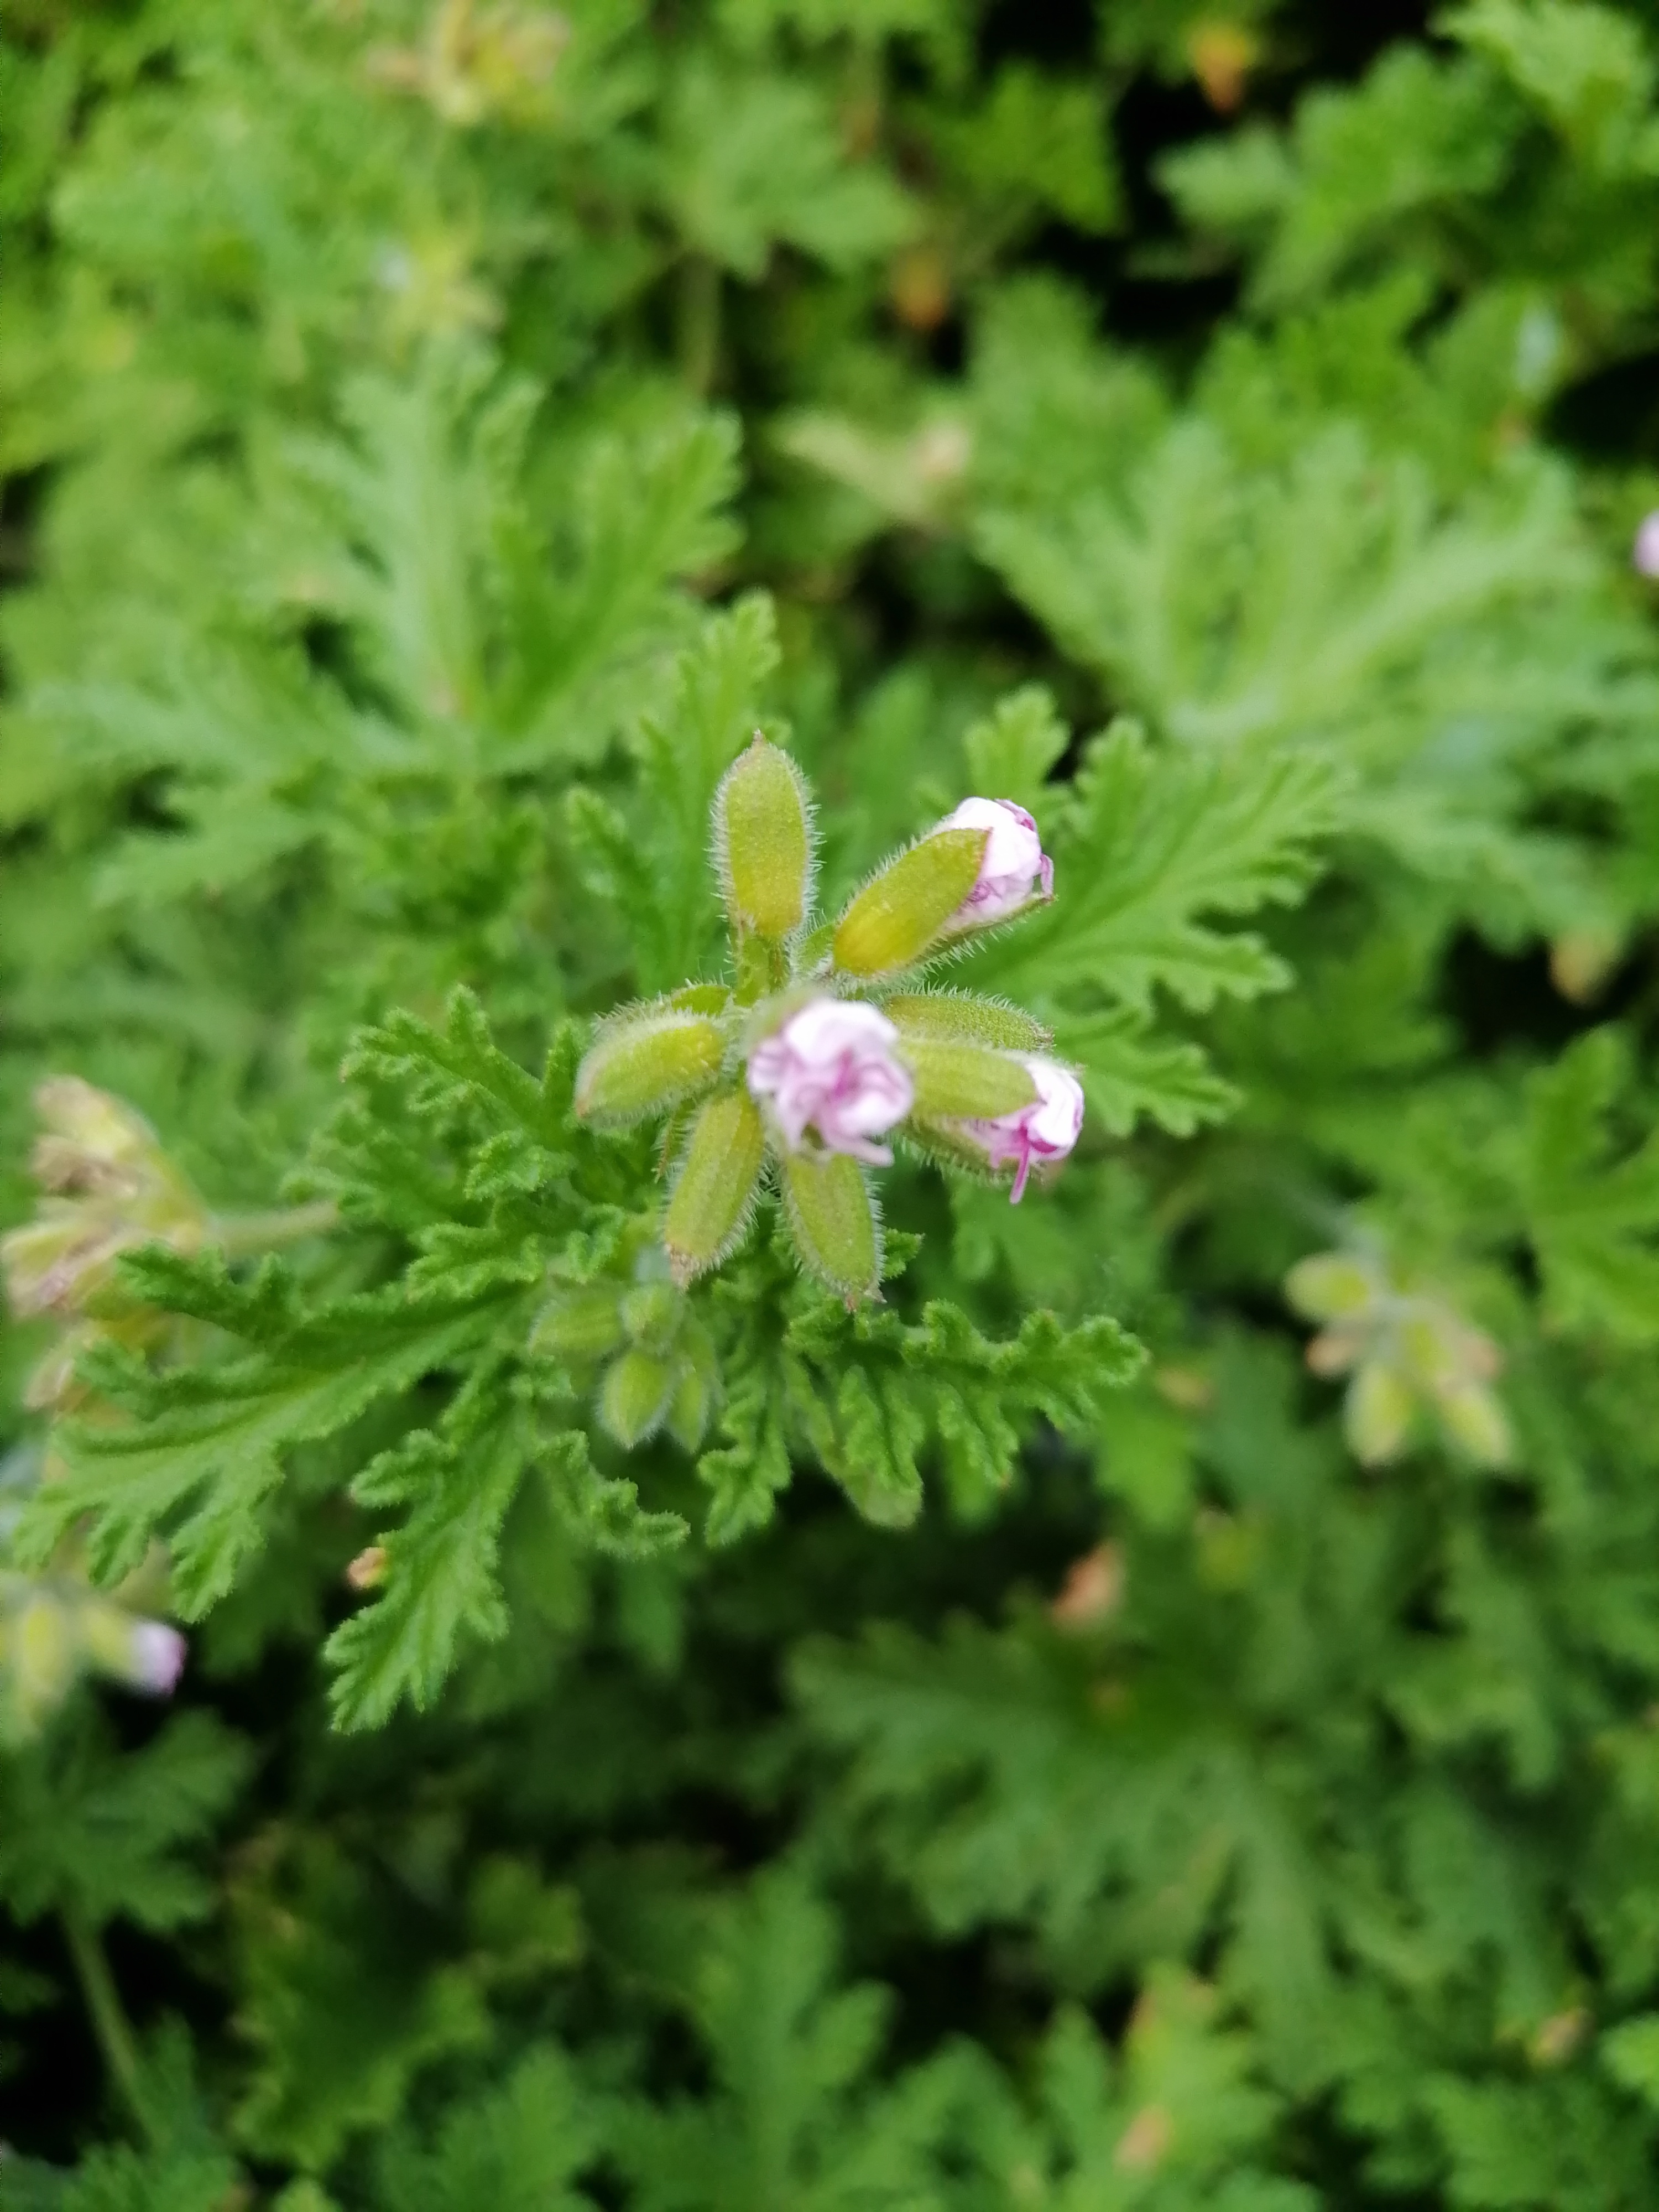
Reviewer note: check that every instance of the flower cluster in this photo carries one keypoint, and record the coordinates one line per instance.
(1408, 1352)
(108, 1188)
(826, 1044)
(655, 1363)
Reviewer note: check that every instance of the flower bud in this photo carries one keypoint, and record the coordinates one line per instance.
(833, 1216)
(647, 1063)
(903, 912)
(39, 1645)
(584, 1325)
(1031, 1134)
(962, 1082)
(1476, 1420)
(651, 1314)
(54, 1263)
(1014, 871)
(144, 1655)
(634, 1398)
(832, 1068)
(92, 1142)
(1377, 1413)
(368, 1570)
(1332, 1286)
(1644, 552)
(962, 1018)
(763, 841)
(717, 1178)
(689, 1407)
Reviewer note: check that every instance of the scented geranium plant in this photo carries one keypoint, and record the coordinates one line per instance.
(828, 1039)
(695, 1657)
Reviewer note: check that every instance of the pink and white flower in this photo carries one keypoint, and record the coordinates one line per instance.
(832, 1068)
(1645, 553)
(1015, 869)
(1036, 1135)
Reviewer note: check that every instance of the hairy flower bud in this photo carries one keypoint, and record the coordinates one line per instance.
(643, 1064)
(964, 1018)
(1033, 1135)
(763, 840)
(1014, 871)
(832, 1069)
(833, 1216)
(718, 1175)
(636, 1394)
(579, 1326)
(904, 912)
(968, 1082)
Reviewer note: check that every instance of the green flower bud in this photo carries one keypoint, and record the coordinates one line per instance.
(903, 912)
(644, 1065)
(689, 1407)
(41, 1648)
(652, 1314)
(960, 1017)
(583, 1326)
(966, 1082)
(1476, 1418)
(762, 838)
(716, 1186)
(699, 999)
(1377, 1413)
(634, 1398)
(833, 1215)
(1331, 1286)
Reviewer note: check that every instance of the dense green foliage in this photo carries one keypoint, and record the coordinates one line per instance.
(1159, 1708)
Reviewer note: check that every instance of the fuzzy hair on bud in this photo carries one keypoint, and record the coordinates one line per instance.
(963, 1082)
(642, 1065)
(718, 1176)
(763, 841)
(903, 912)
(837, 1225)
(584, 1325)
(965, 1018)
(636, 1395)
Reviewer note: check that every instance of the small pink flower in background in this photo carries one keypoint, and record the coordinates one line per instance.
(1645, 553)
(832, 1068)
(157, 1658)
(1047, 1130)
(1015, 865)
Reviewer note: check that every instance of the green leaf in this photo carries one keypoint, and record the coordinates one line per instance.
(107, 1837)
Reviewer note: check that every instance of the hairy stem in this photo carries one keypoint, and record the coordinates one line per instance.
(110, 2024)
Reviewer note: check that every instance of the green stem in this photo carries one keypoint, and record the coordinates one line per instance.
(237, 1234)
(109, 2021)
(699, 321)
